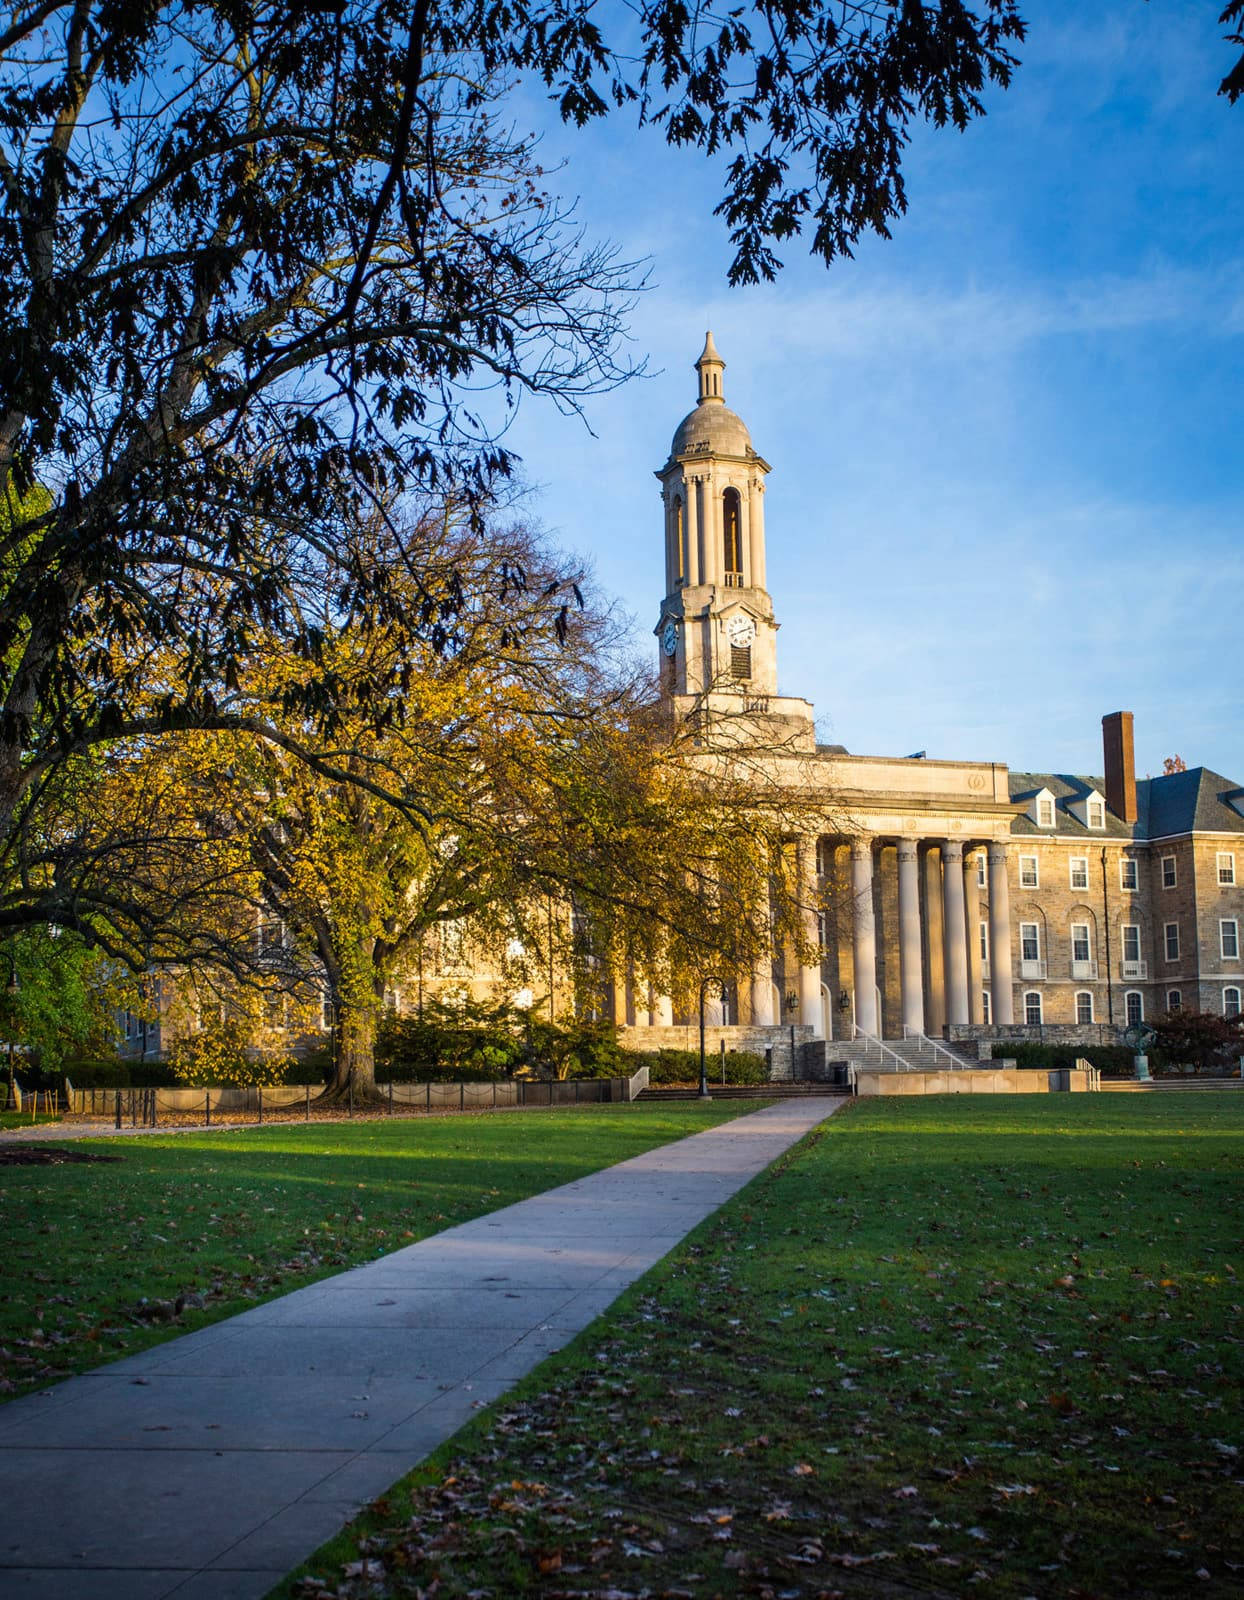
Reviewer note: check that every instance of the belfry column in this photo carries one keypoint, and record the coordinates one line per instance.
(809, 976)
(911, 974)
(864, 932)
(693, 532)
(956, 931)
(972, 913)
(756, 523)
(1001, 986)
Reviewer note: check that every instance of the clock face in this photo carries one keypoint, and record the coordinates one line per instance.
(740, 631)
(669, 637)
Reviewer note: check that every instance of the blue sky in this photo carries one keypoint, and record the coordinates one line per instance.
(1007, 465)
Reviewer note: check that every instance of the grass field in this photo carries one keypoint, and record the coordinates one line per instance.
(97, 1254)
(949, 1346)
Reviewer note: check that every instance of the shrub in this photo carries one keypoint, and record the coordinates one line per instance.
(107, 1072)
(469, 1042)
(683, 1066)
(220, 1054)
(1111, 1060)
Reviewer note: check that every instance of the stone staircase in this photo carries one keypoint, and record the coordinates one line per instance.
(917, 1054)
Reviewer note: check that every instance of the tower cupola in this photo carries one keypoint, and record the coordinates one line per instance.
(710, 366)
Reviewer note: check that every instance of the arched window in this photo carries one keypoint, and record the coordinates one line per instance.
(680, 553)
(1084, 1006)
(1032, 1007)
(732, 531)
(1174, 1000)
(1231, 1002)
(1135, 1003)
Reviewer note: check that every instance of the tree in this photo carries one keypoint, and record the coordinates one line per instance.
(527, 801)
(1199, 1038)
(60, 998)
(256, 258)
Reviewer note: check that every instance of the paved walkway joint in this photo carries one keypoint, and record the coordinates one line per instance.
(210, 1466)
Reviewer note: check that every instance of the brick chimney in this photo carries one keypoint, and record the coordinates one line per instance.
(1116, 738)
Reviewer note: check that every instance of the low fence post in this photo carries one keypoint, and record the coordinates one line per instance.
(350, 1092)
(462, 1097)
(259, 1096)
(429, 1089)
(307, 1117)
(118, 1108)
(207, 1109)
(390, 1096)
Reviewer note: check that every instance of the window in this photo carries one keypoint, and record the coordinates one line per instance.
(1231, 1002)
(732, 531)
(1131, 942)
(1229, 938)
(824, 856)
(1032, 1007)
(822, 929)
(1129, 874)
(1028, 878)
(1029, 942)
(985, 1006)
(328, 1014)
(1226, 867)
(1172, 941)
(1045, 812)
(270, 930)
(1084, 1006)
(740, 662)
(1135, 1003)
(1080, 947)
(984, 941)
(1096, 814)
(1079, 872)
(980, 870)
(1168, 872)
(1174, 1000)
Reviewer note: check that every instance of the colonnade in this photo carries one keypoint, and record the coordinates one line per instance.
(943, 943)
(941, 970)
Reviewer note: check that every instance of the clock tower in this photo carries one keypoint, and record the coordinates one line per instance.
(717, 634)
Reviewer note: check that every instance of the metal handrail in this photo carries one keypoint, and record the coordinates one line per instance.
(938, 1049)
(883, 1048)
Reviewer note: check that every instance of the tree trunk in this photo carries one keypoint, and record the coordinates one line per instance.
(355, 1065)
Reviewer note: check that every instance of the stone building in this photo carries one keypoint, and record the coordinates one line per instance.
(948, 895)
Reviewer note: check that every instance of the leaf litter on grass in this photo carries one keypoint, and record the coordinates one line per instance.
(863, 1377)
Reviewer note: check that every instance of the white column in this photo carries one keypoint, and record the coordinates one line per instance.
(972, 913)
(1001, 987)
(934, 948)
(663, 1012)
(762, 994)
(864, 931)
(809, 976)
(756, 523)
(911, 972)
(955, 931)
(710, 539)
(692, 516)
(745, 539)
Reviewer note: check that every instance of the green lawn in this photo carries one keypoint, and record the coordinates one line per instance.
(23, 1119)
(233, 1217)
(948, 1346)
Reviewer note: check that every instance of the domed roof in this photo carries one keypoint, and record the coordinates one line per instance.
(712, 427)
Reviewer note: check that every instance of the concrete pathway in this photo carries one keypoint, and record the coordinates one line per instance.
(210, 1466)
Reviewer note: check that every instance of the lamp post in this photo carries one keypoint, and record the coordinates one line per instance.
(719, 985)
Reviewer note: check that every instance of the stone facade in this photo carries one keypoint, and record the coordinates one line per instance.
(950, 896)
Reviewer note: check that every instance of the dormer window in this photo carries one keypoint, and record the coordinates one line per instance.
(1090, 810)
(1042, 809)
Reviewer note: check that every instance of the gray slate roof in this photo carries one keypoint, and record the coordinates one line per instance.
(1178, 802)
